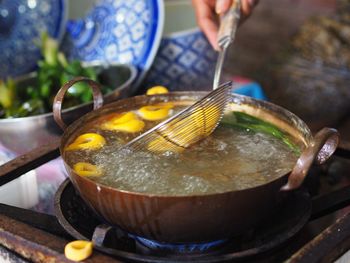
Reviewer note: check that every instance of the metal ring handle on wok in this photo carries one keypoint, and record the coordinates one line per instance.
(321, 148)
(57, 103)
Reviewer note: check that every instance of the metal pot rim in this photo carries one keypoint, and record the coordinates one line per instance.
(143, 99)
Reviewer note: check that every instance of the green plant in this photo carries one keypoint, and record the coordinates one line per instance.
(53, 71)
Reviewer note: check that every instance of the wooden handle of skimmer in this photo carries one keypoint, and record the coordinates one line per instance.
(321, 148)
(57, 103)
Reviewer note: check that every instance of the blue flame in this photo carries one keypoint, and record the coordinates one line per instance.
(179, 247)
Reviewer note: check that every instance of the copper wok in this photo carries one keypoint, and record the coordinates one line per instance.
(197, 218)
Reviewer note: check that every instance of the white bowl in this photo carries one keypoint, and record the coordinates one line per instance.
(21, 192)
(185, 59)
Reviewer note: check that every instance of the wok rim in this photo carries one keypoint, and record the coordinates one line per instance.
(189, 94)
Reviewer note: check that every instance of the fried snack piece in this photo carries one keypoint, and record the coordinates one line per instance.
(161, 144)
(87, 141)
(180, 133)
(87, 169)
(155, 112)
(78, 250)
(125, 122)
(157, 90)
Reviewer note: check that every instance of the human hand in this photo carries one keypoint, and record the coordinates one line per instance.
(208, 12)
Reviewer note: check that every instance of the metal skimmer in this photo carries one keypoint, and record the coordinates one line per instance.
(226, 35)
(186, 127)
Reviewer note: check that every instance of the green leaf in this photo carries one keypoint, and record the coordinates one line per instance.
(28, 108)
(80, 90)
(7, 93)
(90, 73)
(49, 49)
(62, 59)
(241, 120)
(74, 68)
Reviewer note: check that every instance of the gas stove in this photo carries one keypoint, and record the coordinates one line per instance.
(81, 222)
(312, 225)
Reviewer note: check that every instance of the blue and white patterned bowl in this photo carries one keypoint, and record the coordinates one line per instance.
(21, 24)
(117, 31)
(185, 60)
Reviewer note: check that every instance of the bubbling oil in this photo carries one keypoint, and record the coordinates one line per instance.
(230, 159)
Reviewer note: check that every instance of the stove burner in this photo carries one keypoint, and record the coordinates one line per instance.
(82, 223)
(179, 248)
